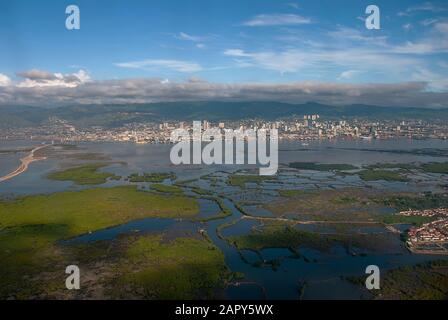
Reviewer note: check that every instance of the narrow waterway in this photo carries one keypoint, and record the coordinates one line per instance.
(313, 275)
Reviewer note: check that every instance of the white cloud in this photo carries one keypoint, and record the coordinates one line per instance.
(435, 80)
(295, 60)
(428, 22)
(187, 37)
(441, 27)
(4, 80)
(348, 49)
(198, 40)
(276, 20)
(415, 48)
(407, 26)
(293, 5)
(434, 41)
(427, 6)
(443, 64)
(287, 61)
(39, 78)
(345, 34)
(347, 75)
(236, 53)
(174, 65)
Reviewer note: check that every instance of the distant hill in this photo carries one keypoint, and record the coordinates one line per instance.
(116, 115)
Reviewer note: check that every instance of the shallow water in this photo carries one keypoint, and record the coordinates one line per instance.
(142, 226)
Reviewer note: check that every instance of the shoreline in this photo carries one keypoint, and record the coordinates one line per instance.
(427, 251)
(25, 162)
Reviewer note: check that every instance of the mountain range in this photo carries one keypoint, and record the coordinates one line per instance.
(117, 115)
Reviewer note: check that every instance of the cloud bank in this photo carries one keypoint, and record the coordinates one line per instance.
(40, 88)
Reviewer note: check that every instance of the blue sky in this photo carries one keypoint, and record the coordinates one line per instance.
(225, 42)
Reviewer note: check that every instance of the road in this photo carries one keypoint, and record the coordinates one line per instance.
(25, 162)
(310, 222)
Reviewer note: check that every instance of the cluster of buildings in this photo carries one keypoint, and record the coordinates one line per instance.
(436, 231)
(310, 127)
(431, 237)
(441, 212)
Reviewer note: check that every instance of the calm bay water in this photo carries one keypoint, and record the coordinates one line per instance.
(155, 158)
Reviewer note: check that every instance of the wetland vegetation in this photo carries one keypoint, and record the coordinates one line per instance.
(403, 202)
(291, 193)
(426, 281)
(436, 167)
(183, 268)
(386, 175)
(92, 209)
(350, 204)
(275, 236)
(166, 188)
(88, 174)
(374, 172)
(286, 235)
(240, 180)
(151, 177)
(31, 226)
(321, 166)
